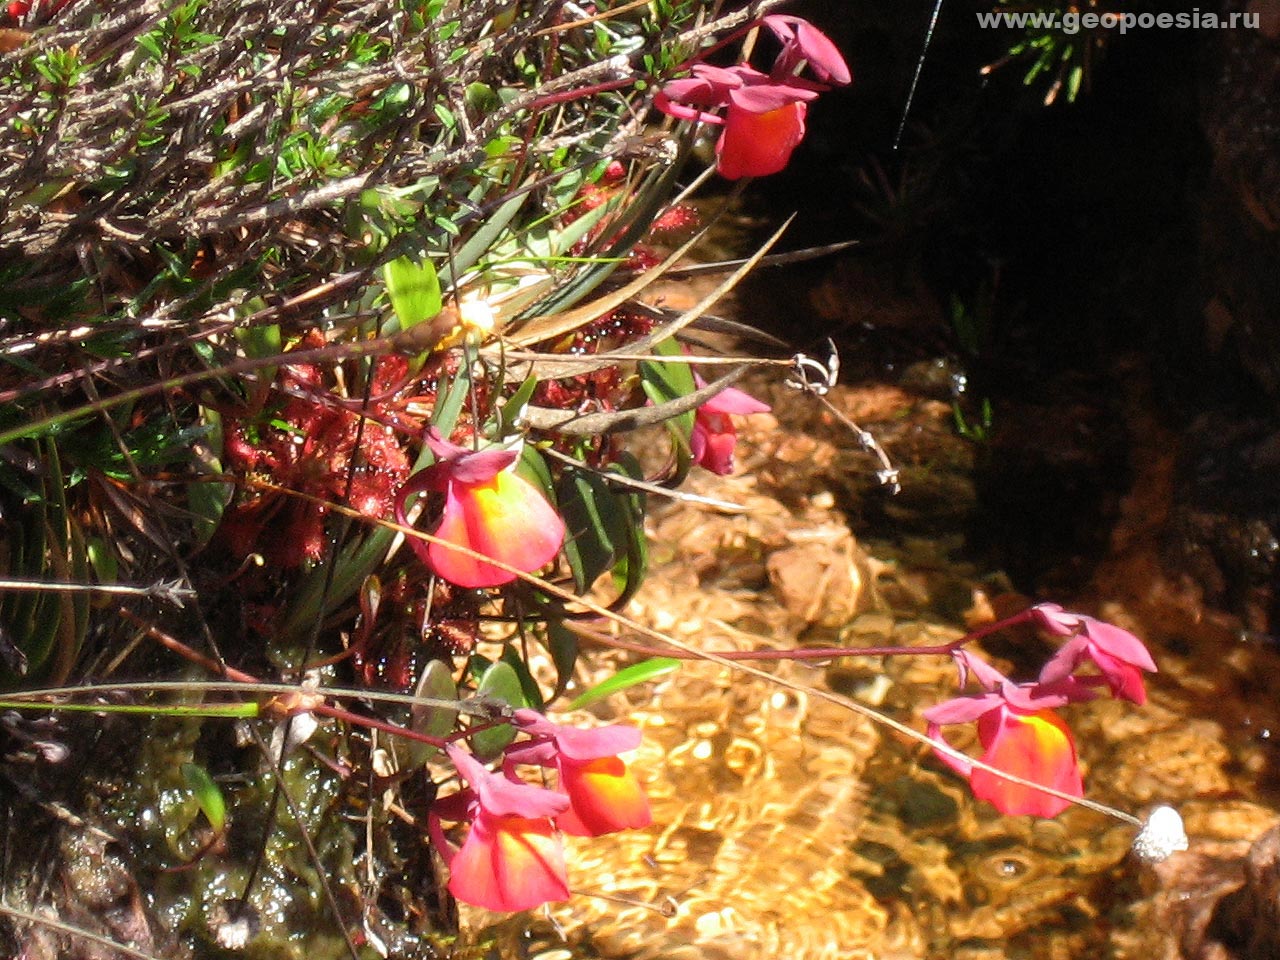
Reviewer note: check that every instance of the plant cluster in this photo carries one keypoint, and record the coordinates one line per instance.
(322, 335)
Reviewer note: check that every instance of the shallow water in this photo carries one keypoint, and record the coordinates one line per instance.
(787, 826)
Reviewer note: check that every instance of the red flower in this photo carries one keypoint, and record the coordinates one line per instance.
(757, 144)
(1033, 745)
(488, 509)
(1020, 734)
(803, 44)
(714, 437)
(763, 115)
(511, 858)
(604, 795)
(763, 120)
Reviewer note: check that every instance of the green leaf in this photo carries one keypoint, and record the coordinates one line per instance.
(624, 679)
(150, 42)
(414, 291)
(562, 644)
(432, 719)
(514, 407)
(207, 499)
(631, 569)
(528, 686)
(500, 682)
(595, 522)
(668, 381)
(484, 239)
(207, 795)
(532, 466)
(481, 98)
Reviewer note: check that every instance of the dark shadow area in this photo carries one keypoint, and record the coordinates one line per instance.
(1058, 264)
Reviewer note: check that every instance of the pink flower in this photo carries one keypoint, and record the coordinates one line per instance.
(714, 437)
(511, 858)
(804, 44)
(763, 120)
(489, 509)
(1119, 656)
(763, 115)
(1020, 734)
(604, 795)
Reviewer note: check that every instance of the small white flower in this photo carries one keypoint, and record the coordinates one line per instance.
(1161, 836)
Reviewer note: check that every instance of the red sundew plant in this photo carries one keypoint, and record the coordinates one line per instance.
(387, 437)
(309, 444)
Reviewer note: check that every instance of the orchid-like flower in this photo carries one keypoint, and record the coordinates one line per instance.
(512, 859)
(763, 115)
(1119, 656)
(714, 437)
(604, 795)
(1020, 734)
(488, 509)
(763, 121)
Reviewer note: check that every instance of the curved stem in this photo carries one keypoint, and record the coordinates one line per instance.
(803, 653)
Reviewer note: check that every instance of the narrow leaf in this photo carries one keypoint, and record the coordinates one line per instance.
(624, 679)
(562, 644)
(207, 795)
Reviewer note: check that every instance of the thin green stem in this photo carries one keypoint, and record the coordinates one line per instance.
(233, 710)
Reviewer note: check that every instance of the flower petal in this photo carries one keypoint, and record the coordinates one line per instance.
(1037, 747)
(1118, 643)
(733, 400)
(673, 106)
(1124, 680)
(499, 796)
(440, 445)
(507, 519)
(1063, 663)
(766, 97)
(959, 765)
(1057, 621)
(757, 144)
(963, 709)
(480, 466)
(605, 797)
(509, 864)
(802, 40)
(607, 741)
(713, 441)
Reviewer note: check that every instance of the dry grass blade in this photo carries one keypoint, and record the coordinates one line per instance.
(552, 368)
(555, 325)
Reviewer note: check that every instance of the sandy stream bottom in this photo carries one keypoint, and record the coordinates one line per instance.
(785, 826)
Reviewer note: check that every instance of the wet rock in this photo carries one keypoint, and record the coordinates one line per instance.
(1241, 225)
(1246, 922)
(1220, 900)
(819, 581)
(1224, 522)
